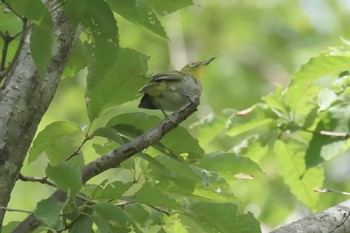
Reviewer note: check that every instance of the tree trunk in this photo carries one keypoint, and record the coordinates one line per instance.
(24, 98)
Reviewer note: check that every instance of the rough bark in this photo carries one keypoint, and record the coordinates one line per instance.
(335, 219)
(24, 98)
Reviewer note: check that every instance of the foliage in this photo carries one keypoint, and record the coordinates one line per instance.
(189, 181)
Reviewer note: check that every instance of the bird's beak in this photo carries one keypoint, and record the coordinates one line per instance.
(207, 61)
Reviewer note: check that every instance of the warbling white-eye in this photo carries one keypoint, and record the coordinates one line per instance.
(169, 91)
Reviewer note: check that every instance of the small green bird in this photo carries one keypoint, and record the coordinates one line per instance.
(169, 91)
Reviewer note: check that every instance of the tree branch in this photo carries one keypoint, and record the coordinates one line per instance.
(115, 157)
(335, 219)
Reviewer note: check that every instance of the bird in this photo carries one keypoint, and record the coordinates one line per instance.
(170, 91)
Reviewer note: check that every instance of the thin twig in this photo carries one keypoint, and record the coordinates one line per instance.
(76, 151)
(168, 213)
(42, 180)
(18, 50)
(16, 210)
(329, 133)
(331, 191)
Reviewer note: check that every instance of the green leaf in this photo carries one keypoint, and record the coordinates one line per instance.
(139, 13)
(134, 124)
(82, 224)
(208, 128)
(9, 22)
(325, 98)
(95, 15)
(138, 213)
(33, 10)
(117, 219)
(257, 119)
(154, 196)
(226, 218)
(58, 141)
(109, 133)
(275, 101)
(302, 93)
(302, 182)
(119, 85)
(9, 227)
(323, 147)
(164, 7)
(41, 41)
(113, 190)
(77, 60)
(48, 211)
(67, 176)
(228, 165)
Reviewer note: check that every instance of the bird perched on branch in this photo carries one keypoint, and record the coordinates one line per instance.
(169, 91)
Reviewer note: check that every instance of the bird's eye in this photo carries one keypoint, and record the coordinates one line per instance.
(193, 64)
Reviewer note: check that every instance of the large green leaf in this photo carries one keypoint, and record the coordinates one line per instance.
(302, 93)
(139, 13)
(41, 41)
(228, 165)
(82, 224)
(33, 10)
(302, 182)
(58, 141)
(178, 141)
(222, 218)
(119, 85)
(9, 22)
(151, 195)
(67, 176)
(48, 211)
(113, 217)
(255, 120)
(112, 190)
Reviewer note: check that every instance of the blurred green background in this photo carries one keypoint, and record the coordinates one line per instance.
(257, 44)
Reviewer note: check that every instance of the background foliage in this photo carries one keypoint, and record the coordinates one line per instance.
(255, 148)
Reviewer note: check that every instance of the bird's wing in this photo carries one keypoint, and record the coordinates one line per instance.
(168, 76)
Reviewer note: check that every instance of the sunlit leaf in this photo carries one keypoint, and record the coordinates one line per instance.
(291, 161)
(302, 93)
(255, 119)
(58, 141)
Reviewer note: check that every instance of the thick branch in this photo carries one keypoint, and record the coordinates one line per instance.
(115, 157)
(335, 219)
(24, 98)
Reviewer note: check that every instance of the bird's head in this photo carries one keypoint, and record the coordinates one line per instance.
(196, 69)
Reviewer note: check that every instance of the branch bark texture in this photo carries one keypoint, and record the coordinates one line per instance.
(335, 219)
(24, 98)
